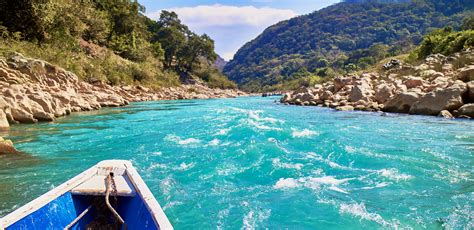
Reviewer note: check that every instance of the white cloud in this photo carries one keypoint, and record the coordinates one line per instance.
(225, 15)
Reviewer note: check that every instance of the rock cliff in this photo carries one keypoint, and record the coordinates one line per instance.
(33, 90)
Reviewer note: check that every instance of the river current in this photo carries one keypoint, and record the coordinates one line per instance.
(253, 163)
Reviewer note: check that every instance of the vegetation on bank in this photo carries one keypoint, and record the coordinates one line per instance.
(446, 41)
(342, 38)
(109, 40)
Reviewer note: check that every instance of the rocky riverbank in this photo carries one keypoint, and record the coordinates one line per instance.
(440, 85)
(33, 90)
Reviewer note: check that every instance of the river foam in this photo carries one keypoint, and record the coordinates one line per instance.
(314, 183)
(180, 141)
(303, 133)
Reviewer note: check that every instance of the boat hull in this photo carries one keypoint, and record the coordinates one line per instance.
(63, 205)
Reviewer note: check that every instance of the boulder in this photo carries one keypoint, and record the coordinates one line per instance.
(362, 91)
(447, 68)
(441, 82)
(326, 95)
(440, 99)
(23, 116)
(413, 82)
(6, 147)
(286, 98)
(445, 114)
(470, 88)
(467, 110)
(401, 103)
(383, 92)
(3, 120)
(466, 74)
(340, 82)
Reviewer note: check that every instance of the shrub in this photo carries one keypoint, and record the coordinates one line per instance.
(445, 41)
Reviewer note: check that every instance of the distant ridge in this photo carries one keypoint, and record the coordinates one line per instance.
(220, 63)
(350, 34)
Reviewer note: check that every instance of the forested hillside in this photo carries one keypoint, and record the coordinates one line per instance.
(108, 40)
(342, 38)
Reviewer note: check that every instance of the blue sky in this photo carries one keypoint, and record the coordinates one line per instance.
(233, 23)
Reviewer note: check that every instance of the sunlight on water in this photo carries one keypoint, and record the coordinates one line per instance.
(253, 163)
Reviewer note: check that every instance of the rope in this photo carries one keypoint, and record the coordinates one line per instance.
(109, 183)
(78, 218)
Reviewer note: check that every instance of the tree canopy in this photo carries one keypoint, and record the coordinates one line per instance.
(118, 25)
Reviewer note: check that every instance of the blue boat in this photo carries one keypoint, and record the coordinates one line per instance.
(109, 195)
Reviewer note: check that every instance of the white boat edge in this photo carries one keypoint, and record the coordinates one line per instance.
(152, 204)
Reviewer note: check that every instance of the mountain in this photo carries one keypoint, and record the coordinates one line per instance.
(343, 37)
(220, 63)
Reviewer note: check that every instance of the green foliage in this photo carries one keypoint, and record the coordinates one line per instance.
(182, 48)
(445, 41)
(468, 22)
(137, 49)
(348, 36)
(215, 79)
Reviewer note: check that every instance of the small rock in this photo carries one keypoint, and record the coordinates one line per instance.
(6, 147)
(345, 108)
(445, 114)
(466, 110)
(413, 82)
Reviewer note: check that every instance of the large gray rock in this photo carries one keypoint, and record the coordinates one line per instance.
(466, 74)
(440, 99)
(362, 91)
(467, 110)
(383, 92)
(401, 103)
(470, 88)
(340, 82)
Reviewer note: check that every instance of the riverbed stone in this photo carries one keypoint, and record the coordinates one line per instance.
(467, 110)
(445, 114)
(3, 120)
(401, 103)
(466, 74)
(6, 147)
(440, 99)
(470, 88)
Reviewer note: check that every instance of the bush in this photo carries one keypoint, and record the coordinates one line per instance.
(215, 79)
(445, 41)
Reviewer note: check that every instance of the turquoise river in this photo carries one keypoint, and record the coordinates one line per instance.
(252, 163)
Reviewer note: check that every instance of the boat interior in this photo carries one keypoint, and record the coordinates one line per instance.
(107, 200)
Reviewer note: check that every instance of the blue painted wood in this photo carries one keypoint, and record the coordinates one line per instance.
(135, 213)
(60, 212)
(55, 215)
